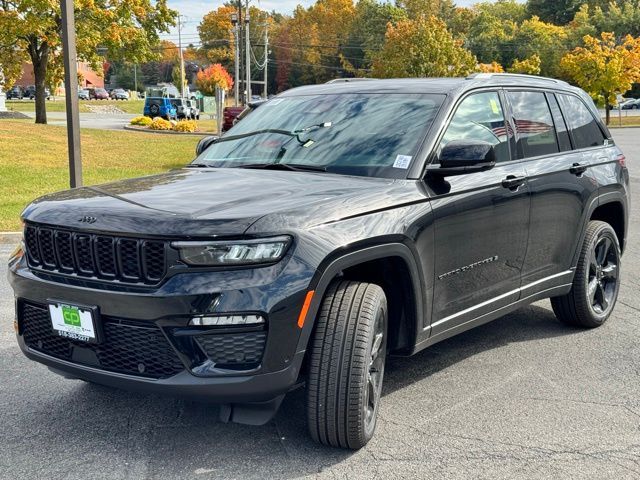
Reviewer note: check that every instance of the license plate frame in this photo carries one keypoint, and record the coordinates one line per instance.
(81, 322)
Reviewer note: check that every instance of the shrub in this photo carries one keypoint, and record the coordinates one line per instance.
(160, 124)
(188, 126)
(141, 121)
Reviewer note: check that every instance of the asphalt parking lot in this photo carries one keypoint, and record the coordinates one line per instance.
(522, 397)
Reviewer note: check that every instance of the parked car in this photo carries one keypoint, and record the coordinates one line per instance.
(119, 94)
(30, 92)
(15, 93)
(630, 104)
(192, 105)
(182, 110)
(159, 107)
(98, 94)
(335, 225)
(83, 94)
(229, 114)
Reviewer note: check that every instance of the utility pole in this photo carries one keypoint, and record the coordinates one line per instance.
(71, 89)
(236, 47)
(181, 56)
(266, 59)
(135, 78)
(248, 55)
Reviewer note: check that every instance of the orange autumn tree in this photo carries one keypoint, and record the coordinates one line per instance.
(605, 66)
(213, 76)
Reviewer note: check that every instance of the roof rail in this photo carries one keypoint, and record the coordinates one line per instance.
(348, 80)
(486, 76)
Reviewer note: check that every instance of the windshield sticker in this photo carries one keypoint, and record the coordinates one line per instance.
(494, 106)
(402, 161)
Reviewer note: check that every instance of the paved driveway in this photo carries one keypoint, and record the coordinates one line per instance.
(522, 397)
(101, 121)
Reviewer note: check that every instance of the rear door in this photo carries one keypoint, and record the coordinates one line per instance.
(481, 220)
(561, 186)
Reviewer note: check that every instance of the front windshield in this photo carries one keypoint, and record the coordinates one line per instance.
(373, 135)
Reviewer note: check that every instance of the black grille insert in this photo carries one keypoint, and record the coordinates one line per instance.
(128, 260)
(127, 347)
(234, 350)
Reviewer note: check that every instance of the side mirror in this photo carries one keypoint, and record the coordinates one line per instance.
(205, 143)
(465, 156)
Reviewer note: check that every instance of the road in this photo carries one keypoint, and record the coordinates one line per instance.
(101, 121)
(522, 397)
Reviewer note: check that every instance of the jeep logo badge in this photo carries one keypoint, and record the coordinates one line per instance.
(87, 219)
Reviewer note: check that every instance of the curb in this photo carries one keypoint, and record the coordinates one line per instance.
(10, 238)
(167, 132)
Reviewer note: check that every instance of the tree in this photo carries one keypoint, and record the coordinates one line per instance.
(604, 67)
(528, 66)
(548, 41)
(422, 48)
(128, 29)
(11, 56)
(559, 12)
(493, 67)
(366, 35)
(212, 77)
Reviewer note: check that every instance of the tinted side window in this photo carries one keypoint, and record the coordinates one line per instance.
(534, 124)
(561, 125)
(584, 128)
(480, 117)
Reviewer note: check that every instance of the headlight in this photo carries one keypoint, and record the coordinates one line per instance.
(241, 252)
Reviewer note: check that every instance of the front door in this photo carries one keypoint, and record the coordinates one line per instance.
(481, 221)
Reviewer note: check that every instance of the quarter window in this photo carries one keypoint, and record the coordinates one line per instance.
(584, 128)
(480, 117)
(534, 124)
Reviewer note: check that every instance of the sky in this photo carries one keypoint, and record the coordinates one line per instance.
(194, 10)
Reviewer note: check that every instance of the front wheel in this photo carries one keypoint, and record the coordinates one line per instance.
(346, 367)
(596, 283)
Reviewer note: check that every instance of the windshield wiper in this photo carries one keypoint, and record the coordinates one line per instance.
(293, 167)
(197, 165)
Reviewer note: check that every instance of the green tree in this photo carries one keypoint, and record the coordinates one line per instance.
(128, 29)
(559, 12)
(11, 56)
(366, 35)
(422, 48)
(604, 67)
(528, 66)
(548, 41)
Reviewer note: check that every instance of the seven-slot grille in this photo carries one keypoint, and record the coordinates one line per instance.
(105, 257)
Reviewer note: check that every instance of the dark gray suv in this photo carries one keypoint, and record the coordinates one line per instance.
(333, 226)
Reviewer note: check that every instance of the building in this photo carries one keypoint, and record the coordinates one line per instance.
(90, 78)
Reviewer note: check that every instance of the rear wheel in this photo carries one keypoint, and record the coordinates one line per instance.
(347, 359)
(596, 282)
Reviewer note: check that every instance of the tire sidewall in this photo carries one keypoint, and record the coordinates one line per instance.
(381, 309)
(608, 232)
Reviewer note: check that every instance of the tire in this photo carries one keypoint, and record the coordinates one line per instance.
(346, 365)
(596, 283)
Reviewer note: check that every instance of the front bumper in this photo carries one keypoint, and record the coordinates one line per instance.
(168, 309)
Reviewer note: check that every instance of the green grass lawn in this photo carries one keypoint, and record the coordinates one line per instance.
(128, 106)
(33, 160)
(630, 121)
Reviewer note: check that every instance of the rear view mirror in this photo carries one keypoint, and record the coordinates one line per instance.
(205, 143)
(465, 156)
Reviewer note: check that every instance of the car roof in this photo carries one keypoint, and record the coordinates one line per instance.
(432, 85)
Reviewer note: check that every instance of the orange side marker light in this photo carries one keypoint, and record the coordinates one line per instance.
(305, 308)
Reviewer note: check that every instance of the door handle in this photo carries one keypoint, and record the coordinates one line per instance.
(512, 182)
(578, 169)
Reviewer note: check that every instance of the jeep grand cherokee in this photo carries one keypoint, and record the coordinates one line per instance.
(334, 226)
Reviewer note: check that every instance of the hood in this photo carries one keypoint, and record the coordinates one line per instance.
(219, 202)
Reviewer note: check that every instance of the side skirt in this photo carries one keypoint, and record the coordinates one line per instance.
(488, 317)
